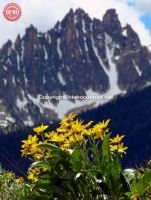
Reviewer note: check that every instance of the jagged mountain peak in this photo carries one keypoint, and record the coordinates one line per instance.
(79, 56)
(111, 23)
(79, 11)
(7, 45)
(30, 33)
(132, 35)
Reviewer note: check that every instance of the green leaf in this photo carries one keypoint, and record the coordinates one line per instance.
(48, 146)
(140, 187)
(77, 161)
(43, 164)
(111, 168)
(106, 157)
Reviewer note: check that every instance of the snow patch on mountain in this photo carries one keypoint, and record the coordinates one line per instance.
(61, 79)
(137, 68)
(112, 72)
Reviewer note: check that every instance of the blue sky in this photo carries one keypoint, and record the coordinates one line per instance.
(147, 21)
(144, 7)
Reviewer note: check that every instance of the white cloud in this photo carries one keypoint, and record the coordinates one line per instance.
(142, 5)
(43, 14)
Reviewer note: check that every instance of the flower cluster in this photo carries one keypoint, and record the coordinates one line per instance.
(30, 146)
(116, 145)
(70, 133)
(33, 174)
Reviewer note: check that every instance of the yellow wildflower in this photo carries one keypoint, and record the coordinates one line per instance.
(40, 129)
(31, 140)
(120, 148)
(100, 129)
(29, 145)
(78, 137)
(68, 134)
(116, 145)
(33, 174)
(49, 135)
(67, 120)
(19, 180)
(38, 153)
(86, 132)
(65, 146)
(117, 139)
(47, 155)
(88, 124)
(104, 124)
(61, 130)
(113, 148)
(71, 139)
(10, 175)
(58, 138)
(77, 126)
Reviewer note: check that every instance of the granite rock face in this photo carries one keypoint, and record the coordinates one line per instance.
(79, 56)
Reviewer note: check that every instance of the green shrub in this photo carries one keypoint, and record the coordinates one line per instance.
(77, 161)
(12, 188)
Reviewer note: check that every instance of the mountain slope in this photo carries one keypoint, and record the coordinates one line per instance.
(79, 56)
(130, 115)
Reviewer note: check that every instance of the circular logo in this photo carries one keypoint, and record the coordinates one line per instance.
(12, 11)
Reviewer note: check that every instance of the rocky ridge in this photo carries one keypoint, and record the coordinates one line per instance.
(79, 56)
